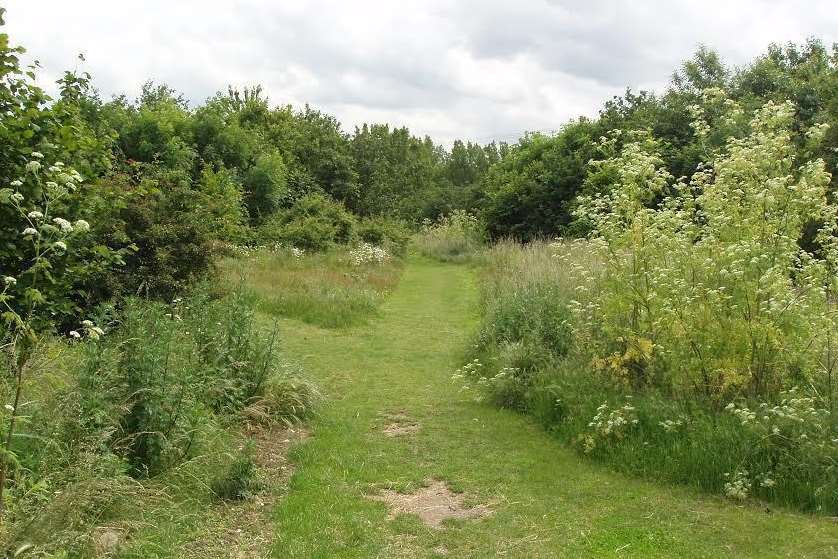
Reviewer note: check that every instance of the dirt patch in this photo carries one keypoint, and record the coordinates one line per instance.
(400, 429)
(433, 504)
(400, 424)
(244, 530)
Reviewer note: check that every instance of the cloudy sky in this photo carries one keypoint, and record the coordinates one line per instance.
(476, 69)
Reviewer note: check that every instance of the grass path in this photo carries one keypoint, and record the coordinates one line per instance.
(547, 501)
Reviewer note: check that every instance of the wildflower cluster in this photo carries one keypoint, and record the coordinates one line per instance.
(680, 261)
(244, 251)
(42, 236)
(471, 371)
(672, 425)
(615, 422)
(366, 253)
(738, 485)
(796, 417)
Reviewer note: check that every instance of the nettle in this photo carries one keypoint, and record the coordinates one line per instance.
(705, 277)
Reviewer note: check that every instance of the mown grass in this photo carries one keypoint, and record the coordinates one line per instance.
(547, 501)
(325, 289)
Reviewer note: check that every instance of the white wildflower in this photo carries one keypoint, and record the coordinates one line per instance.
(65, 225)
(35, 215)
(16, 183)
(37, 155)
(74, 334)
(739, 485)
(10, 281)
(33, 166)
(30, 232)
(81, 226)
(60, 246)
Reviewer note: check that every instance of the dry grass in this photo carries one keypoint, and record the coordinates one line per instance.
(433, 504)
(323, 289)
(244, 529)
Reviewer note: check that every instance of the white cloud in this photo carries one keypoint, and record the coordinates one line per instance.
(477, 69)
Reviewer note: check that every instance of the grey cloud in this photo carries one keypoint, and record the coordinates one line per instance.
(470, 68)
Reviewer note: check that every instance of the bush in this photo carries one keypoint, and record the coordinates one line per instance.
(315, 223)
(390, 234)
(456, 237)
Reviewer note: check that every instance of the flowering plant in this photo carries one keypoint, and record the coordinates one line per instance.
(683, 260)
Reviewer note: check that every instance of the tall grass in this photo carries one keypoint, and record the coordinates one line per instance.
(457, 237)
(135, 433)
(528, 356)
(334, 289)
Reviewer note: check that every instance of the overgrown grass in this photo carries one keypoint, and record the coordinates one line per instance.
(127, 440)
(458, 237)
(333, 289)
(526, 357)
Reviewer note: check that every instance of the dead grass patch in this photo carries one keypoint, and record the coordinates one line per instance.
(433, 504)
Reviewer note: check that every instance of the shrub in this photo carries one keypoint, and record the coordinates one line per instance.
(393, 235)
(315, 223)
(266, 183)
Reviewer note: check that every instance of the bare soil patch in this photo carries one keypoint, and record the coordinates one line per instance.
(400, 424)
(433, 504)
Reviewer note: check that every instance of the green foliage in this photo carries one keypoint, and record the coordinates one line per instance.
(225, 214)
(149, 400)
(314, 223)
(391, 234)
(267, 186)
(530, 193)
(172, 240)
(236, 359)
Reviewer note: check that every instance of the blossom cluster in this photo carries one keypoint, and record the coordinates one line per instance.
(614, 422)
(366, 253)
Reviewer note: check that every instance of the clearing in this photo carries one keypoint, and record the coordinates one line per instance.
(535, 497)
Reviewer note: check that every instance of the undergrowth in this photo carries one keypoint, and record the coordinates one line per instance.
(127, 438)
(777, 447)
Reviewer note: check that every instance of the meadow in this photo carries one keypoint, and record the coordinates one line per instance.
(233, 329)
